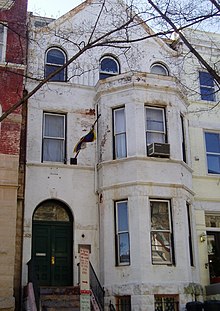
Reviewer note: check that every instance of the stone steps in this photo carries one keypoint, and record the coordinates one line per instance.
(60, 298)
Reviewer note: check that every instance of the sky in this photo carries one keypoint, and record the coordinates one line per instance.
(51, 8)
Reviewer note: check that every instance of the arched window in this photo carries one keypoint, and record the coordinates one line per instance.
(55, 58)
(52, 210)
(108, 67)
(159, 69)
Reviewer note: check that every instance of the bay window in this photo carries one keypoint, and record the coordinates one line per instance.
(122, 233)
(155, 125)
(161, 232)
(119, 131)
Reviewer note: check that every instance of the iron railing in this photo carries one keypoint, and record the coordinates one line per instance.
(32, 278)
(111, 306)
(167, 306)
(96, 288)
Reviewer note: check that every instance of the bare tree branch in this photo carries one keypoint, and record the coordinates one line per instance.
(187, 43)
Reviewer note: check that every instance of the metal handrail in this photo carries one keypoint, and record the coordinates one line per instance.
(96, 288)
(32, 278)
(111, 306)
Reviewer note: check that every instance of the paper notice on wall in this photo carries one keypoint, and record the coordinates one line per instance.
(84, 279)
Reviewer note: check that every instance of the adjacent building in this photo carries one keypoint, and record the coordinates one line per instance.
(203, 115)
(12, 70)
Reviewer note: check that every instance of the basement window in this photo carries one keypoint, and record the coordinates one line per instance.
(166, 302)
(123, 303)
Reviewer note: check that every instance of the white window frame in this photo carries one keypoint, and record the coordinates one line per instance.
(3, 43)
(108, 73)
(155, 248)
(48, 64)
(63, 139)
(211, 88)
(163, 133)
(160, 66)
(117, 134)
(211, 153)
(118, 233)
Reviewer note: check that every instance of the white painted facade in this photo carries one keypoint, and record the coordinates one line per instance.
(91, 188)
(203, 118)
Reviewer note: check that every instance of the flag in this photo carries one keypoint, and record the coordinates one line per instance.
(89, 137)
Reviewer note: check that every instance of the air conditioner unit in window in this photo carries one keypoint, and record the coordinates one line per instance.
(158, 150)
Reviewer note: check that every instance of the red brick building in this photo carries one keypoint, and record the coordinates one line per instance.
(12, 71)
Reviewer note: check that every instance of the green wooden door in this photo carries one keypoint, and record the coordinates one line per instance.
(52, 253)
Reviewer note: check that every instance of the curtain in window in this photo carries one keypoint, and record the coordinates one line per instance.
(155, 127)
(53, 142)
(122, 233)
(120, 133)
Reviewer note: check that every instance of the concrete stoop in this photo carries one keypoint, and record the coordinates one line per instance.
(60, 298)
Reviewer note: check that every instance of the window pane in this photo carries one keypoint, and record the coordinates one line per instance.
(119, 121)
(123, 303)
(213, 164)
(207, 93)
(160, 216)
(1, 33)
(53, 150)
(120, 133)
(109, 65)
(124, 251)
(212, 142)
(58, 77)
(161, 250)
(206, 79)
(55, 56)
(1, 51)
(155, 137)
(54, 126)
(207, 87)
(212, 221)
(51, 211)
(155, 120)
(122, 216)
(159, 69)
(120, 146)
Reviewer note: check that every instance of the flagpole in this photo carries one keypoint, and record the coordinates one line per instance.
(92, 127)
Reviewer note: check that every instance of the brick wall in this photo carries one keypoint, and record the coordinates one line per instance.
(11, 90)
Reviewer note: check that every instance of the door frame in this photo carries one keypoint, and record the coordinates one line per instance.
(53, 223)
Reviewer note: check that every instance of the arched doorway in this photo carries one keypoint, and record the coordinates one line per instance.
(52, 244)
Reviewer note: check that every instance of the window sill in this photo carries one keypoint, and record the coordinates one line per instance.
(12, 65)
(59, 165)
